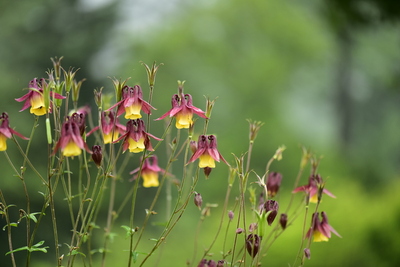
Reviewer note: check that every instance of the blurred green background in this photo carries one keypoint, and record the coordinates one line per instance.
(323, 74)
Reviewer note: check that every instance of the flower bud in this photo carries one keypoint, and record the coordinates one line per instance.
(221, 263)
(198, 200)
(230, 215)
(253, 244)
(283, 220)
(239, 230)
(307, 253)
(97, 155)
(271, 206)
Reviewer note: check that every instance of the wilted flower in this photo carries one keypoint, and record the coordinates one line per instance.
(321, 231)
(183, 109)
(253, 243)
(314, 185)
(150, 171)
(207, 152)
(35, 99)
(136, 138)
(273, 183)
(132, 103)
(271, 206)
(110, 127)
(6, 132)
(71, 141)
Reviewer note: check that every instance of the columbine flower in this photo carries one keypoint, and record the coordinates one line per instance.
(35, 99)
(132, 103)
(110, 127)
(273, 183)
(136, 138)
(150, 170)
(6, 132)
(315, 184)
(321, 231)
(207, 152)
(183, 109)
(71, 141)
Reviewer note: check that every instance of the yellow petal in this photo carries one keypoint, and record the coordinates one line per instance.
(108, 138)
(133, 112)
(314, 199)
(37, 105)
(318, 236)
(150, 179)
(3, 142)
(136, 147)
(206, 160)
(184, 120)
(71, 150)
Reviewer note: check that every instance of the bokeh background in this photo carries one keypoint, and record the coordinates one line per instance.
(323, 74)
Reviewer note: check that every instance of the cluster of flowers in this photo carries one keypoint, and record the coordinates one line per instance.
(134, 135)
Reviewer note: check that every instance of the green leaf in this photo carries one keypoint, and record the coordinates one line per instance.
(35, 247)
(11, 224)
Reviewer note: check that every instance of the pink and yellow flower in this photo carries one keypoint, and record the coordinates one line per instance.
(111, 128)
(183, 109)
(6, 132)
(71, 142)
(314, 185)
(35, 99)
(132, 103)
(149, 172)
(136, 138)
(207, 152)
(320, 230)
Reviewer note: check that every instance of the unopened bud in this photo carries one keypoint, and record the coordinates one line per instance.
(307, 253)
(198, 200)
(283, 220)
(239, 230)
(97, 155)
(253, 244)
(230, 215)
(271, 206)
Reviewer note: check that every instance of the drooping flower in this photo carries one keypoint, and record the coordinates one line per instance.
(6, 132)
(110, 126)
(35, 99)
(136, 137)
(132, 103)
(183, 109)
(207, 152)
(150, 171)
(71, 142)
(320, 230)
(273, 183)
(314, 185)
